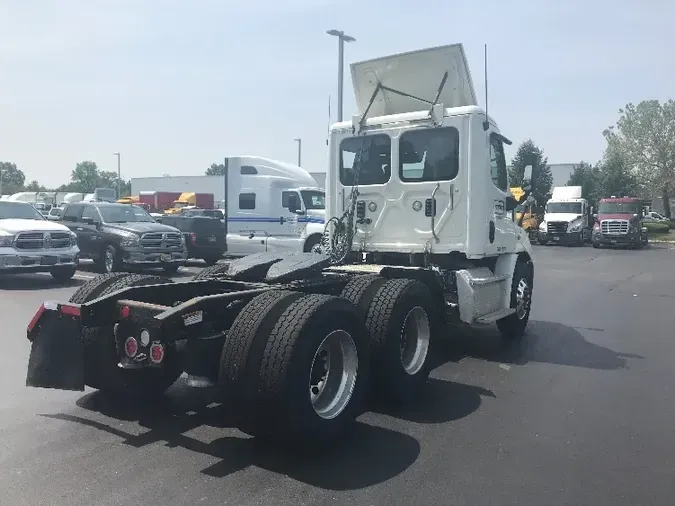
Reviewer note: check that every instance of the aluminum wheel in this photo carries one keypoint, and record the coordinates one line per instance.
(109, 259)
(415, 337)
(523, 299)
(333, 374)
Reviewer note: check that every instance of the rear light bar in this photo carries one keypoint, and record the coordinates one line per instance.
(65, 309)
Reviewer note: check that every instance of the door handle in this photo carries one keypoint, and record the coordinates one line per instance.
(79, 228)
(281, 220)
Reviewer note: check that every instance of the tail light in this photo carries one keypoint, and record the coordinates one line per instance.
(156, 353)
(193, 237)
(131, 347)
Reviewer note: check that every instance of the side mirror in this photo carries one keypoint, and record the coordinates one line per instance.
(293, 203)
(527, 175)
(158, 219)
(90, 221)
(595, 218)
(511, 203)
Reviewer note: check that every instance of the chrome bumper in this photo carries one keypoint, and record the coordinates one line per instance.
(13, 260)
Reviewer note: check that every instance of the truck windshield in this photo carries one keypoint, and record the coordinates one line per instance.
(564, 207)
(374, 152)
(619, 208)
(16, 210)
(124, 213)
(313, 199)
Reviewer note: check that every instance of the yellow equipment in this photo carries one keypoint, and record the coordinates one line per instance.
(529, 222)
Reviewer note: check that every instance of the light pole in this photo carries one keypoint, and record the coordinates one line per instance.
(119, 175)
(342, 38)
(299, 141)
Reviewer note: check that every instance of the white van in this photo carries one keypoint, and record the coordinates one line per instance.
(258, 195)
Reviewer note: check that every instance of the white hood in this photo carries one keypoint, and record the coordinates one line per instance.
(15, 225)
(567, 217)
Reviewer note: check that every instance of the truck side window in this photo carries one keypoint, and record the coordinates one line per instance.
(429, 155)
(498, 170)
(90, 212)
(247, 201)
(248, 170)
(72, 213)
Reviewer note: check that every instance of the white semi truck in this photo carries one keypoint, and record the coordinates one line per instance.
(420, 233)
(567, 218)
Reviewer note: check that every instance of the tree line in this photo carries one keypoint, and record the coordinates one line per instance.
(638, 160)
(84, 178)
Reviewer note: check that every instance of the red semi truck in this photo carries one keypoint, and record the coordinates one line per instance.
(158, 201)
(619, 222)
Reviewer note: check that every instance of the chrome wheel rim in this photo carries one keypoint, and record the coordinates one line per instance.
(333, 374)
(415, 338)
(109, 260)
(523, 298)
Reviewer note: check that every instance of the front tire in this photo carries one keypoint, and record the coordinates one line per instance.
(109, 261)
(513, 327)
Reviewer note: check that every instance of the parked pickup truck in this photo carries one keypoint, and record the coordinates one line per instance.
(30, 243)
(204, 232)
(119, 236)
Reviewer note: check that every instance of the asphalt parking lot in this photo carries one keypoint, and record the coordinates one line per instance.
(580, 413)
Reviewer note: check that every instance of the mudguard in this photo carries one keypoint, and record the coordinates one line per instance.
(57, 353)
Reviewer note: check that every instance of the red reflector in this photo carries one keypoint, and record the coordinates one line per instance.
(70, 310)
(131, 347)
(125, 311)
(36, 318)
(156, 353)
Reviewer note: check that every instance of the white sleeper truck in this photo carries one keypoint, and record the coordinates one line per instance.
(567, 218)
(420, 234)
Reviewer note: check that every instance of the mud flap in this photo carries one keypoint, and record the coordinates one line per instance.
(57, 353)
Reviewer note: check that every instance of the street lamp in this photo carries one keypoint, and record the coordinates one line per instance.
(342, 38)
(299, 141)
(119, 175)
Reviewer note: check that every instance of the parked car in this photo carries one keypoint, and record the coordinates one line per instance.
(204, 232)
(54, 214)
(119, 236)
(30, 243)
(652, 216)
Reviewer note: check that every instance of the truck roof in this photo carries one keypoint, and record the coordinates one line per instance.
(419, 114)
(621, 200)
(566, 193)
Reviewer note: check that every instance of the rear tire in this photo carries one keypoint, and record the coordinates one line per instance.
(402, 320)
(361, 289)
(100, 351)
(312, 376)
(62, 274)
(209, 261)
(513, 327)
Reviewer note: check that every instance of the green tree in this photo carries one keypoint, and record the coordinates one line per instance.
(529, 154)
(645, 137)
(11, 178)
(85, 177)
(216, 169)
(615, 174)
(35, 186)
(588, 177)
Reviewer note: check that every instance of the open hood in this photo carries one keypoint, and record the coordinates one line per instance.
(417, 73)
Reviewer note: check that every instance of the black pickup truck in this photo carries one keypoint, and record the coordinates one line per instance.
(204, 231)
(118, 236)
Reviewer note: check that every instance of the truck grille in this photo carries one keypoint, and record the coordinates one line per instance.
(161, 240)
(556, 227)
(42, 240)
(614, 227)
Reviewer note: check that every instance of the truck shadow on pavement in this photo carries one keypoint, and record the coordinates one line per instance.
(35, 282)
(368, 455)
(544, 342)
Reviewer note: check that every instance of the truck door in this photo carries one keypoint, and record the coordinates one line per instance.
(90, 239)
(246, 228)
(501, 228)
